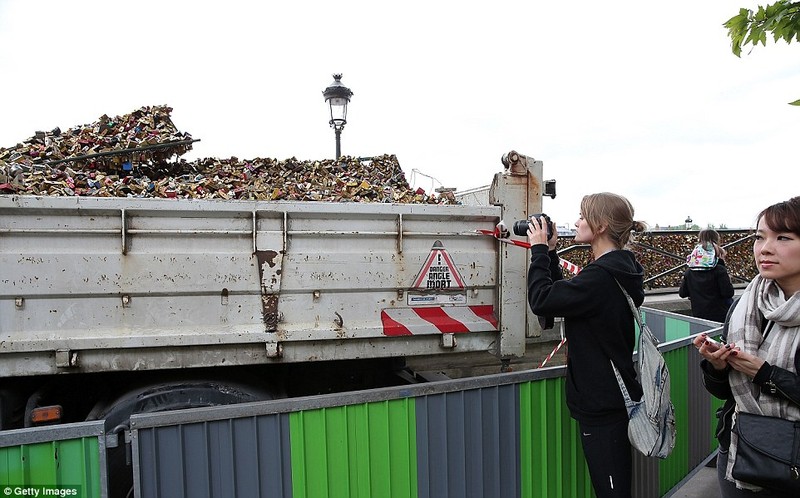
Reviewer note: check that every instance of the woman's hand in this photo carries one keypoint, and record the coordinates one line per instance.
(537, 233)
(745, 362)
(723, 355)
(715, 352)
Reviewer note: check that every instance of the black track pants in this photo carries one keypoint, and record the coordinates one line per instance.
(608, 455)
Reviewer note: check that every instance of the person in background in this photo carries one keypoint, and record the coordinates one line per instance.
(706, 282)
(599, 326)
(757, 370)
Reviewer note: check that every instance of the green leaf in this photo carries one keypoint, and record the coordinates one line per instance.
(780, 19)
(796, 102)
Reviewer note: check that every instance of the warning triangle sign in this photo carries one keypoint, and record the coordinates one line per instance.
(439, 272)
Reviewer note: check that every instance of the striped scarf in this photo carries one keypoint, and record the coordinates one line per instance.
(763, 297)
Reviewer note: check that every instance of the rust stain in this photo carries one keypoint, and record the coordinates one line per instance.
(270, 308)
(267, 257)
(269, 302)
(534, 189)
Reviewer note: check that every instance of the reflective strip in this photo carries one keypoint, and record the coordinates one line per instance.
(438, 320)
(476, 318)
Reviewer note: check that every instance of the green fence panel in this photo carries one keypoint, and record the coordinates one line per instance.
(357, 451)
(675, 467)
(676, 328)
(35, 460)
(551, 457)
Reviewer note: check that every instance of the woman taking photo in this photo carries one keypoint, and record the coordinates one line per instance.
(599, 326)
(756, 371)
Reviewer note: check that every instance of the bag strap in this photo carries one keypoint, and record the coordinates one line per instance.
(625, 394)
(634, 309)
(644, 331)
(629, 402)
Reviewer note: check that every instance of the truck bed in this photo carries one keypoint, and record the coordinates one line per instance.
(97, 284)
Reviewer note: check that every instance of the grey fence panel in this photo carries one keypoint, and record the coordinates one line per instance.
(697, 327)
(656, 322)
(645, 476)
(242, 457)
(702, 427)
(463, 443)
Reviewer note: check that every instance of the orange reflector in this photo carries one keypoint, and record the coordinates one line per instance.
(46, 414)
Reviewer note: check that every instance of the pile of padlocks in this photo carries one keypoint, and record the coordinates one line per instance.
(138, 155)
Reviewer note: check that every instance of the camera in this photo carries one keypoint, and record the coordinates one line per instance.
(521, 227)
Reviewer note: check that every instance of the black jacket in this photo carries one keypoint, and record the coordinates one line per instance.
(598, 324)
(773, 381)
(709, 290)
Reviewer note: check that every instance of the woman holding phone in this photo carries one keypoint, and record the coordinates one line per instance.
(755, 368)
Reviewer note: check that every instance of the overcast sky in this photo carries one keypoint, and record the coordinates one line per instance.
(640, 98)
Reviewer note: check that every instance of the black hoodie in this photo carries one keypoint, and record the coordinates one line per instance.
(709, 290)
(598, 325)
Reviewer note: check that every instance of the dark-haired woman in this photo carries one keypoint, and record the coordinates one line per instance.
(757, 370)
(706, 281)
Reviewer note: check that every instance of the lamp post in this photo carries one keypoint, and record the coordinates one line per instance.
(338, 96)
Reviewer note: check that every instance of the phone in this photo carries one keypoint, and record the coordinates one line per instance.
(713, 342)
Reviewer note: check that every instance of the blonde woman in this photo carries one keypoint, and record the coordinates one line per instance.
(599, 327)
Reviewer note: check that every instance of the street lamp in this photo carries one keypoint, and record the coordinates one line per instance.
(338, 96)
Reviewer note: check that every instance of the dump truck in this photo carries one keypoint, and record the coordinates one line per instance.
(115, 306)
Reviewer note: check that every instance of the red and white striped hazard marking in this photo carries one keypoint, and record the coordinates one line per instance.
(570, 267)
(438, 320)
(550, 356)
(574, 269)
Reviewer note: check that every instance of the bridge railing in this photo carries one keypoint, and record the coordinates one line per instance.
(663, 255)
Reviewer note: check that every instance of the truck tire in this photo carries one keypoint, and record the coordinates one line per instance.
(157, 398)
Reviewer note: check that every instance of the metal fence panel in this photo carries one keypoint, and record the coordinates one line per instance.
(234, 457)
(506, 434)
(69, 457)
(551, 457)
(463, 445)
(358, 451)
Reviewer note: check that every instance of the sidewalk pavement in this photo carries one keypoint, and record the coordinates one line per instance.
(703, 483)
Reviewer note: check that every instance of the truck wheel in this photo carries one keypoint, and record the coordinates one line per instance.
(149, 399)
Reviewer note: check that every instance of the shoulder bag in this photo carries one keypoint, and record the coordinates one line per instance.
(768, 452)
(651, 421)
